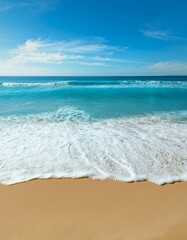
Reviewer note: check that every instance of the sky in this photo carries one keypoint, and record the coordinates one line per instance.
(93, 37)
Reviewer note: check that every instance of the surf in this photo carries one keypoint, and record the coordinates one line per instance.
(67, 144)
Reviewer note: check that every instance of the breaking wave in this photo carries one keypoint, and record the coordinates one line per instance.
(33, 84)
(69, 144)
(101, 84)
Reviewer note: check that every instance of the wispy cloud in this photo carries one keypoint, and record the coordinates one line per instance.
(82, 46)
(169, 68)
(112, 59)
(36, 52)
(47, 5)
(92, 63)
(158, 34)
(36, 56)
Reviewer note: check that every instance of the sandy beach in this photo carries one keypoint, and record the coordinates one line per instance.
(88, 209)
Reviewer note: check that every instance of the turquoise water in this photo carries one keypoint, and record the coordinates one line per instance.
(100, 97)
(123, 128)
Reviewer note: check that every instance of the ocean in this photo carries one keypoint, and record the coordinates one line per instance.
(122, 128)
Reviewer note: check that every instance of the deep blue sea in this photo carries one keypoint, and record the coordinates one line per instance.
(123, 128)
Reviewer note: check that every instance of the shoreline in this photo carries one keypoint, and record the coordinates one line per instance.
(91, 179)
(92, 209)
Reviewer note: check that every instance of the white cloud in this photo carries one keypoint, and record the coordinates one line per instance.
(57, 56)
(58, 52)
(37, 57)
(156, 69)
(30, 46)
(103, 59)
(169, 68)
(82, 46)
(37, 51)
(119, 60)
(157, 34)
(92, 63)
(45, 54)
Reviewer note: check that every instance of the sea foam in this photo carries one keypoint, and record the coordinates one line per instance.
(68, 144)
(33, 84)
(100, 84)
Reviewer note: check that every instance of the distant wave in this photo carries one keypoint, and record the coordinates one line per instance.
(22, 84)
(101, 84)
(151, 147)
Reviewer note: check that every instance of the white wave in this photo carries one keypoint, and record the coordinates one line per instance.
(129, 149)
(101, 84)
(34, 84)
(156, 84)
(62, 114)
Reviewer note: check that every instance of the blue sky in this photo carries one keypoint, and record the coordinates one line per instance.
(93, 37)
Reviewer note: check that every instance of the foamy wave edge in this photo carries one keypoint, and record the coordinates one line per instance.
(149, 148)
(22, 84)
(101, 84)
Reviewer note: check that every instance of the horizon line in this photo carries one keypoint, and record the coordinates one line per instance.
(93, 76)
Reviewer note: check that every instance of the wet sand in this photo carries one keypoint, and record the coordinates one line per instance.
(85, 209)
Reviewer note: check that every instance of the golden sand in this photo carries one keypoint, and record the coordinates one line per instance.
(84, 209)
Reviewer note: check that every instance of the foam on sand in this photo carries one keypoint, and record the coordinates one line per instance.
(58, 145)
